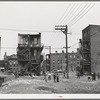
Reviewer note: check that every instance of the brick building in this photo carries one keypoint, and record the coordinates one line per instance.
(57, 61)
(12, 62)
(3, 65)
(91, 49)
(29, 53)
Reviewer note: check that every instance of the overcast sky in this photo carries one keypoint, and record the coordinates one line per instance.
(42, 17)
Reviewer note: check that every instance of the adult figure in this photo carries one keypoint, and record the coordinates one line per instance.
(78, 74)
(64, 75)
(54, 77)
(94, 75)
(57, 77)
(49, 77)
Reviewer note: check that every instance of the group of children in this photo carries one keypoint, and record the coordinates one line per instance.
(55, 77)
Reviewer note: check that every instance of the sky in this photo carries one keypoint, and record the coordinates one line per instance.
(34, 17)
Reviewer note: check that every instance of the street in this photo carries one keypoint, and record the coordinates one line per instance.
(27, 85)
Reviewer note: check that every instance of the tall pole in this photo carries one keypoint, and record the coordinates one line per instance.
(67, 68)
(64, 29)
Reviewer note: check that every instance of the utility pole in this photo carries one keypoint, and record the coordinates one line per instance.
(64, 29)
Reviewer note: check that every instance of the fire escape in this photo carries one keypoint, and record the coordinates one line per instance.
(29, 54)
(86, 53)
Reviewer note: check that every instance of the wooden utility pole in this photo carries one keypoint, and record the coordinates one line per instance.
(64, 29)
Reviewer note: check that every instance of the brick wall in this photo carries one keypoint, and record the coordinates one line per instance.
(95, 48)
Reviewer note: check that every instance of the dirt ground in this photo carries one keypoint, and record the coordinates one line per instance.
(27, 85)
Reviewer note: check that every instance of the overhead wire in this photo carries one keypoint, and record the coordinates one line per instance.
(74, 44)
(74, 12)
(44, 47)
(72, 9)
(60, 21)
(69, 12)
(82, 15)
(63, 14)
(29, 30)
(11, 29)
(81, 11)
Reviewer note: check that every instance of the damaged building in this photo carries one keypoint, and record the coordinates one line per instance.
(29, 53)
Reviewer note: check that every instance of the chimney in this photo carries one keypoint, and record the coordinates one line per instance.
(62, 51)
(56, 51)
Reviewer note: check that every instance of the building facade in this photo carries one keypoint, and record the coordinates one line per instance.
(29, 53)
(91, 49)
(12, 63)
(57, 61)
(3, 65)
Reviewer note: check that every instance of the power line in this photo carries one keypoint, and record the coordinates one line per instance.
(83, 15)
(68, 14)
(10, 29)
(8, 47)
(84, 8)
(74, 44)
(63, 14)
(74, 12)
(43, 48)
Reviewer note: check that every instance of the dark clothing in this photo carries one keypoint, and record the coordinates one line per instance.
(57, 78)
(78, 74)
(54, 77)
(49, 77)
(98, 75)
(64, 74)
(93, 76)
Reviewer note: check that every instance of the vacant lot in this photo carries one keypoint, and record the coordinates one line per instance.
(27, 85)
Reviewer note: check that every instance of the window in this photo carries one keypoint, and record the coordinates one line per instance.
(70, 56)
(35, 41)
(74, 56)
(10, 64)
(14, 64)
(53, 67)
(25, 40)
(58, 67)
(58, 61)
(61, 61)
(84, 34)
(53, 61)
